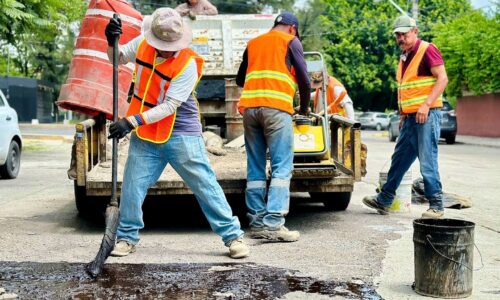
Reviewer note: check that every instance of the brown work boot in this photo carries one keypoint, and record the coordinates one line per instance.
(238, 248)
(432, 213)
(282, 234)
(371, 202)
(255, 233)
(122, 248)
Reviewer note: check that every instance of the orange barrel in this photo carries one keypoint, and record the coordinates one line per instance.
(89, 87)
(234, 121)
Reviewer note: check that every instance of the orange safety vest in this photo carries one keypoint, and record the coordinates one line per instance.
(268, 82)
(333, 104)
(413, 90)
(151, 85)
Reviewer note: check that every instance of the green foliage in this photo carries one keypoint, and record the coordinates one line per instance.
(470, 47)
(36, 35)
(147, 7)
(249, 7)
(37, 38)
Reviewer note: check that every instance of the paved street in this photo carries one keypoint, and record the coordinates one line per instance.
(39, 223)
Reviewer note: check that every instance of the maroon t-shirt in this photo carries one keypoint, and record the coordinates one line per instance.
(432, 58)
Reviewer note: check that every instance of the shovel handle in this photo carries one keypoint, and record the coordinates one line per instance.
(114, 157)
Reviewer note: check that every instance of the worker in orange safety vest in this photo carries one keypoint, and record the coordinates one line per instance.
(422, 79)
(337, 99)
(165, 122)
(272, 69)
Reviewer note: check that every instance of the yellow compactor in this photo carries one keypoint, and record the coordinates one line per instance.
(323, 143)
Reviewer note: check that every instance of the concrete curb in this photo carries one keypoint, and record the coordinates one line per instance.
(46, 125)
(65, 138)
(478, 141)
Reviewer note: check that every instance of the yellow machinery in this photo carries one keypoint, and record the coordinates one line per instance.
(326, 148)
(312, 155)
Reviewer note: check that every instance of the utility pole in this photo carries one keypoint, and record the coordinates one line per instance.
(414, 10)
(396, 6)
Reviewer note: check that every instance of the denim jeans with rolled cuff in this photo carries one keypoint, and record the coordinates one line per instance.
(187, 156)
(416, 141)
(268, 128)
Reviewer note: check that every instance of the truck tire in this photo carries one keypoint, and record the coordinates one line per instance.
(89, 206)
(10, 169)
(333, 201)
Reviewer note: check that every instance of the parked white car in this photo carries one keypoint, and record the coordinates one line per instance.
(373, 119)
(10, 141)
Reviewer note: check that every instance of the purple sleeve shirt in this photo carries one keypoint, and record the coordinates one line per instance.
(296, 53)
(432, 58)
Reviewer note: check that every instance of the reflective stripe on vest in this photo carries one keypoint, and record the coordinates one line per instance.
(332, 102)
(151, 85)
(413, 90)
(268, 81)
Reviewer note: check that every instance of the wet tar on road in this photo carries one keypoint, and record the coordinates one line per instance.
(167, 281)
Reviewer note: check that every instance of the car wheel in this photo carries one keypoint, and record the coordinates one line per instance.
(333, 201)
(450, 139)
(392, 137)
(10, 169)
(378, 127)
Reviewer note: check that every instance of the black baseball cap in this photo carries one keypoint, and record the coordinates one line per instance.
(287, 18)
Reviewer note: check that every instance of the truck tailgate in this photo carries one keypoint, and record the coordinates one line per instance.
(231, 175)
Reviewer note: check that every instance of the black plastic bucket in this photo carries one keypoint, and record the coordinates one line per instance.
(443, 257)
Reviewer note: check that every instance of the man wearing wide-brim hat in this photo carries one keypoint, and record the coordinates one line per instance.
(421, 78)
(164, 119)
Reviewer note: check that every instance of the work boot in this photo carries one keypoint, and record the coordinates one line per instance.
(122, 248)
(255, 232)
(238, 248)
(432, 213)
(282, 234)
(371, 202)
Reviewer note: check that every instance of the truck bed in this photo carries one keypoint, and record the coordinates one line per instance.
(230, 171)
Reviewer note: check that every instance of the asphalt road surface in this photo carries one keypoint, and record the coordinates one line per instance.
(351, 252)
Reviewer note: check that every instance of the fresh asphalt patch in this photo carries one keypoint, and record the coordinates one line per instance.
(30, 280)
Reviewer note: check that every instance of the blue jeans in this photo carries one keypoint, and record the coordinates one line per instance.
(268, 128)
(416, 141)
(145, 163)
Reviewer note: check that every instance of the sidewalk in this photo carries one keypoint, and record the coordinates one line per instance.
(48, 131)
(66, 132)
(479, 141)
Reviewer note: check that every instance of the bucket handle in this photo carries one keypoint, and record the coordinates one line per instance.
(429, 237)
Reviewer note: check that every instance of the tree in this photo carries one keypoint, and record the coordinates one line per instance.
(34, 30)
(147, 7)
(469, 45)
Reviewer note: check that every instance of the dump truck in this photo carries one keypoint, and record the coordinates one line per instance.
(327, 159)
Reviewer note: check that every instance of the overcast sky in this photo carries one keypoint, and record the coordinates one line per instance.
(481, 3)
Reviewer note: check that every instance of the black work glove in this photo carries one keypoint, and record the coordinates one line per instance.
(119, 129)
(113, 30)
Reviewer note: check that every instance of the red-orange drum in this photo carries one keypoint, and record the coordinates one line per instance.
(89, 87)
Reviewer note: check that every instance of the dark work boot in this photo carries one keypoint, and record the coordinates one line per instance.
(371, 202)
